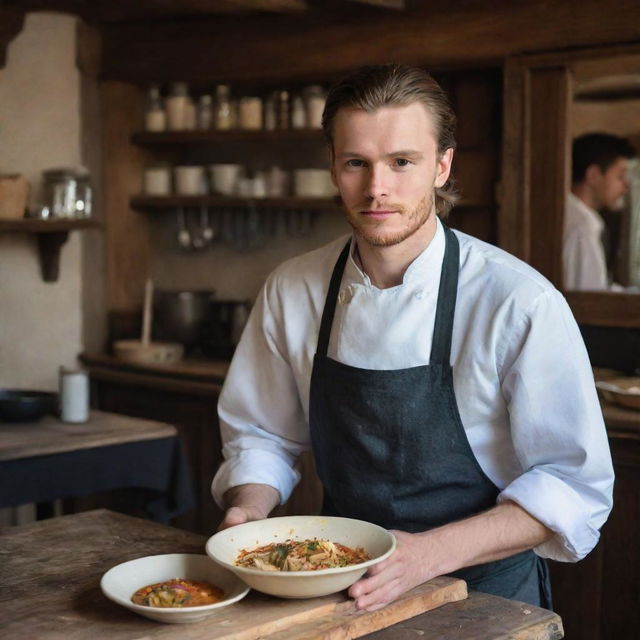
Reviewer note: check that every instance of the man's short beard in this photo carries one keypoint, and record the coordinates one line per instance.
(419, 216)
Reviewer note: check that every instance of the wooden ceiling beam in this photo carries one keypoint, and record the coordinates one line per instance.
(272, 6)
(106, 11)
(386, 4)
(11, 21)
(439, 34)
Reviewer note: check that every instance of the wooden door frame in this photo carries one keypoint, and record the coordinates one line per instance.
(535, 174)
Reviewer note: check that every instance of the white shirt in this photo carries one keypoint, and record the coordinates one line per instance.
(522, 378)
(583, 259)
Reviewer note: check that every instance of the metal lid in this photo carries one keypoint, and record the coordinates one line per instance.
(65, 173)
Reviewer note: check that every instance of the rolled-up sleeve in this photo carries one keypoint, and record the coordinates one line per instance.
(262, 422)
(557, 429)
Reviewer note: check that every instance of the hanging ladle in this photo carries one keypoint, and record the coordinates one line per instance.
(184, 237)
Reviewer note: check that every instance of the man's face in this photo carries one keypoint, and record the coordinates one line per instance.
(611, 185)
(385, 165)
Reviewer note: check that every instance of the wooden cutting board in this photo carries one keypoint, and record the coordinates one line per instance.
(328, 618)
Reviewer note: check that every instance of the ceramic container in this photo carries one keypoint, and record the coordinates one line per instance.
(122, 581)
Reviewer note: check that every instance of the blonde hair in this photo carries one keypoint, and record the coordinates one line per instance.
(373, 87)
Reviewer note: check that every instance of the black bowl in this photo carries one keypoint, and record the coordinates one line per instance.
(23, 405)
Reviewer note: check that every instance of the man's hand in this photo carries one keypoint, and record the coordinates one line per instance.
(248, 502)
(240, 515)
(406, 568)
(502, 531)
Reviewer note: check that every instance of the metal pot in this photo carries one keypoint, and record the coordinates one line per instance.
(181, 316)
(222, 333)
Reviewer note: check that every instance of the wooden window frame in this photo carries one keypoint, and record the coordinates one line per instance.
(536, 174)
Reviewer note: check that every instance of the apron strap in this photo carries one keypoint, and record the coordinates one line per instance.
(443, 328)
(330, 302)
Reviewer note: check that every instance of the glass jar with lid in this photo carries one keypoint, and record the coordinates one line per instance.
(66, 192)
(250, 112)
(204, 113)
(178, 106)
(314, 98)
(224, 115)
(155, 117)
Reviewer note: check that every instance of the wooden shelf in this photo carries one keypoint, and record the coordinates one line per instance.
(51, 235)
(153, 138)
(145, 203)
(27, 225)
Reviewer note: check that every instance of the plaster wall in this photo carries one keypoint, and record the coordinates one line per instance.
(40, 323)
(616, 117)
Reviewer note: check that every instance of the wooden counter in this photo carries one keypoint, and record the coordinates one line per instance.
(198, 377)
(598, 597)
(621, 422)
(49, 435)
(45, 570)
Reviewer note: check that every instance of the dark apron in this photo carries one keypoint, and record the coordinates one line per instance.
(390, 447)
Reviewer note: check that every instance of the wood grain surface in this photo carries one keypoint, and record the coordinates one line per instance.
(203, 370)
(49, 435)
(53, 568)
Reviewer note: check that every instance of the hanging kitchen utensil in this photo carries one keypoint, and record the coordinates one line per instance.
(205, 226)
(293, 222)
(240, 230)
(305, 221)
(184, 237)
(228, 226)
(254, 234)
(197, 238)
(271, 223)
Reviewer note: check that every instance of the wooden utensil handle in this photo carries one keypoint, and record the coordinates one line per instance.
(146, 312)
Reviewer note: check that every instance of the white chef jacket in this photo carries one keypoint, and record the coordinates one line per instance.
(522, 378)
(583, 259)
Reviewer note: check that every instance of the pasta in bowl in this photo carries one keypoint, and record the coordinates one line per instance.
(301, 556)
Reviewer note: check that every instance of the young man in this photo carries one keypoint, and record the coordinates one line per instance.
(442, 384)
(599, 181)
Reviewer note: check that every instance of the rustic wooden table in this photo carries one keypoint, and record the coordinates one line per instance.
(50, 435)
(46, 460)
(49, 589)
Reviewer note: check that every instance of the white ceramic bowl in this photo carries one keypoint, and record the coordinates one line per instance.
(123, 580)
(224, 178)
(225, 545)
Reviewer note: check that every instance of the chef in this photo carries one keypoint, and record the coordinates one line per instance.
(600, 163)
(441, 384)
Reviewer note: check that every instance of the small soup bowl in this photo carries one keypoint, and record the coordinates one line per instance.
(123, 580)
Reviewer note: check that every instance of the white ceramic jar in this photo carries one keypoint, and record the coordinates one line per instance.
(74, 395)
(157, 180)
(189, 180)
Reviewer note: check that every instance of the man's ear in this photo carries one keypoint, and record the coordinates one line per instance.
(444, 167)
(593, 174)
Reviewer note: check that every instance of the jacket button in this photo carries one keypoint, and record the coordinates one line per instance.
(345, 295)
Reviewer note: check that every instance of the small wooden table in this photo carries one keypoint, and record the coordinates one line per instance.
(51, 572)
(47, 460)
